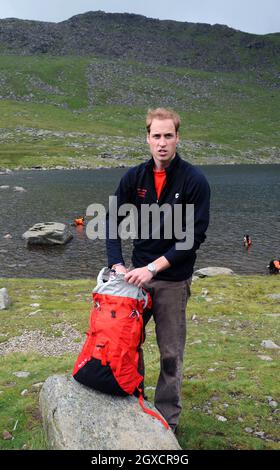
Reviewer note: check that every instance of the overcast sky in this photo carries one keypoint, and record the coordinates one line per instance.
(253, 16)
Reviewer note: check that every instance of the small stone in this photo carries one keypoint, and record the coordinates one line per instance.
(215, 398)
(249, 430)
(34, 305)
(5, 300)
(241, 420)
(274, 296)
(211, 370)
(21, 374)
(221, 418)
(7, 436)
(38, 385)
(194, 317)
(259, 434)
(273, 404)
(265, 358)
(24, 392)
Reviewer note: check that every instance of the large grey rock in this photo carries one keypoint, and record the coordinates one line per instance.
(76, 417)
(5, 300)
(48, 233)
(213, 271)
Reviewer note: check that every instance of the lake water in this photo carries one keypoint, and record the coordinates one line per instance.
(245, 199)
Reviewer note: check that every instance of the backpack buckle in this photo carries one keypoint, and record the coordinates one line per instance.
(134, 314)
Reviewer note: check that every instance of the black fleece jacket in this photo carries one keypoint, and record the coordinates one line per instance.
(185, 184)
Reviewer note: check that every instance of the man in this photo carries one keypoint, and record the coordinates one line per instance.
(157, 262)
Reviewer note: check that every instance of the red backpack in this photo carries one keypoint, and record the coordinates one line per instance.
(109, 358)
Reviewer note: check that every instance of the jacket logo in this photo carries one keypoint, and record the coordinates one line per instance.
(141, 192)
(176, 195)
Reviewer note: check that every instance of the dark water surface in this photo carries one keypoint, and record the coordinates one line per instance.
(245, 198)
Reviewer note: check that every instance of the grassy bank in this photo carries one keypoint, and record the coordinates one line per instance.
(230, 379)
(74, 112)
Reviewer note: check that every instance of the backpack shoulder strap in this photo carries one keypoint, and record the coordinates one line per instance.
(151, 412)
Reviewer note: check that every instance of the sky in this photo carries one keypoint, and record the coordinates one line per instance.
(252, 16)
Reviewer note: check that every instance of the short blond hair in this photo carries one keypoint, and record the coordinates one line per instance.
(162, 113)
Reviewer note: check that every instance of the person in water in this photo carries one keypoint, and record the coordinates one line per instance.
(79, 221)
(274, 266)
(247, 242)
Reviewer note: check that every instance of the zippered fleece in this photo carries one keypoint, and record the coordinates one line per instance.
(185, 184)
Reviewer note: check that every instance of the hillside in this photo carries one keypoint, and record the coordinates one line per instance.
(87, 110)
(148, 40)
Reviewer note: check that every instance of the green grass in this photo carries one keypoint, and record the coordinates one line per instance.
(223, 375)
(226, 117)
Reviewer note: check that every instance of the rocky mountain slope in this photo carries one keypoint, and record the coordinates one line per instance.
(130, 36)
(75, 93)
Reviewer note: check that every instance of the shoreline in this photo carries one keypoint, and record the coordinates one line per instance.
(6, 171)
(93, 278)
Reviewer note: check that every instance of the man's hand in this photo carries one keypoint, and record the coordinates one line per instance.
(138, 276)
(119, 268)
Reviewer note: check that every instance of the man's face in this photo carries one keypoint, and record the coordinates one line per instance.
(162, 141)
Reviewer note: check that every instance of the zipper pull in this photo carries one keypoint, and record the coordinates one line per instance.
(134, 314)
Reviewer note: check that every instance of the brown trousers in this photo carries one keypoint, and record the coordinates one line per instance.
(169, 312)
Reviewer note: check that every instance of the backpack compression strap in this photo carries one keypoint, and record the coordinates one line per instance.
(151, 412)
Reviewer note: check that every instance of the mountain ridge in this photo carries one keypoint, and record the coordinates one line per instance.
(148, 40)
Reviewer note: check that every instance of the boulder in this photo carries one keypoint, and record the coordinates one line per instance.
(213, 271)
(48, 233)
(76, 417)
(5, 301)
